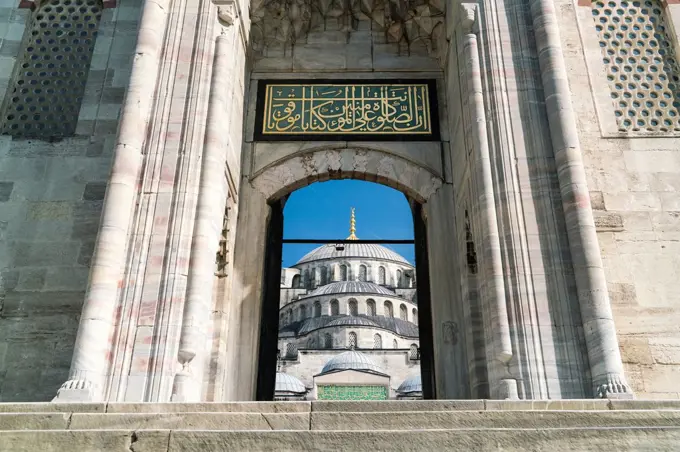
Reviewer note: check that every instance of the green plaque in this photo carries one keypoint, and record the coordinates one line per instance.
(332, 110)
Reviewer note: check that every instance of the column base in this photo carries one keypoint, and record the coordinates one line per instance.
(614, 387)
(77, 391)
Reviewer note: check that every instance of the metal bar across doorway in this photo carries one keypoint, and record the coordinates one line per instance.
(349, 241)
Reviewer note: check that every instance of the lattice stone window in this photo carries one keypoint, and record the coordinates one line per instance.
(370, 307)
(387, 309)
(403, 312)
(353, 308)
(335, 307)
(48, 83)
(395, 344)
(352, 340)
(317, 309)
(413, 352)
(642, 68)
(377, 341)
(291, 351)
(327, 340)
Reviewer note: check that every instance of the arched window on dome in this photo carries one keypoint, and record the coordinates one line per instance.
(308, 279)
(398, 281)
(387, 309)
(377, 341)
(362, 272)
(343, 272)
(353, 307)
(381, 275)
(415, 316)
(413, 352)
(291, 351)
(324, 276)
(395, 344)
(303, 312)
(289, 316)
(296, 282)
(317, 309)
(352, 342)
(370, 307)
(335, 307)
(327, 340)
(403, 312)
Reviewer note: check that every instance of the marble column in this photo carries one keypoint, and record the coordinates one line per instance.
(92, 351)
(606, 367)
(492, 285)
(212, 199)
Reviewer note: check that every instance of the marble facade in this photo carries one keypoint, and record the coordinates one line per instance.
(551, 233)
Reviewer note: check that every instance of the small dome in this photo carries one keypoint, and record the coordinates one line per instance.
(365, 250)
(351, 360)
(288, 383)
(410, 385)
(349, 320)
(346, 287)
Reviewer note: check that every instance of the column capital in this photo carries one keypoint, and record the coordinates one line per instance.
(468, 16)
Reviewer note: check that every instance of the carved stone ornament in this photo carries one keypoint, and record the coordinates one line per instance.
(227, 12)
(407, 22)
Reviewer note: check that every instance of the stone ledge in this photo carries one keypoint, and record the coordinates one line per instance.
(343, 406)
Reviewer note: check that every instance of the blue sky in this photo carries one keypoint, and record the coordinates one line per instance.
(322, 211)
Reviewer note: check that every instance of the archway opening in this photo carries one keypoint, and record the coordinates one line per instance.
(346, 310)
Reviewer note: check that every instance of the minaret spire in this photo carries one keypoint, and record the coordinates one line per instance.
(352, 227)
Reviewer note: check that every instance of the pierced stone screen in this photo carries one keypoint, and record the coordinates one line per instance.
(642, 68)
(44, 97)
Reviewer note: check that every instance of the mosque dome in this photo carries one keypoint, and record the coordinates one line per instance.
(351, 360)
(288, 383)
(412, 384)
(345, 287)
(362, 250)
(352, 321)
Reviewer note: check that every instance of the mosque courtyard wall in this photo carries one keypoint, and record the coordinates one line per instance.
(633, 172)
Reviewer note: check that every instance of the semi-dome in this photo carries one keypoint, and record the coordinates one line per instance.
(288, 383)
(412, 384)
(351, 287)
(351, 360)
(363, 250)
(349, 320)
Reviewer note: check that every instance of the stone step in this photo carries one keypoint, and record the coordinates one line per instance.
(373, 421)
(566, 439)
(344, 406)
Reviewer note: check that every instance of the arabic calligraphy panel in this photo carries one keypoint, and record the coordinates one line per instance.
(323, 110)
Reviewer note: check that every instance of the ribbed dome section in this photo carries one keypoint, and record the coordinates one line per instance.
(351, 360)
(288, 383)
(410, 385)
(352, 321)
(367, 250)
(351, 287)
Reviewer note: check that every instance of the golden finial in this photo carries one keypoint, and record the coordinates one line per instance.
(352, 227)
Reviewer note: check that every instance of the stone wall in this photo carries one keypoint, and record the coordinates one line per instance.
(634, 179)
(50, 202)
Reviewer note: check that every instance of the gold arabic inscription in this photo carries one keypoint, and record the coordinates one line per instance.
(347, 109)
